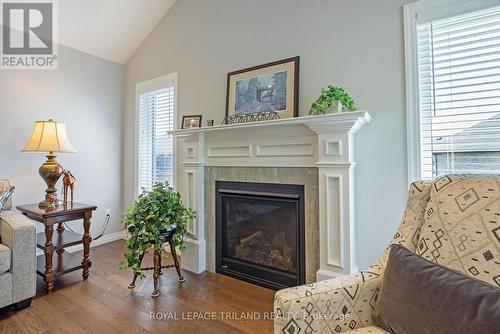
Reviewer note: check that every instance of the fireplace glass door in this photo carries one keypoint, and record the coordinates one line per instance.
(260, 233)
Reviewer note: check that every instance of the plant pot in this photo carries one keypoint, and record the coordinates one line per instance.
(336, 107)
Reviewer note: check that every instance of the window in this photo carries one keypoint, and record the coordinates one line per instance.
(156, 109)
(456, 93)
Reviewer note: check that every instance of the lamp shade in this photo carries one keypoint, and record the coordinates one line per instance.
(49, 136)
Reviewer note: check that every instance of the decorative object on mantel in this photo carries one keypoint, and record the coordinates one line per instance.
(191, 121)
(272, 87)
(68, 183)
(210, 122)
(248, 118)
(153, 214)
(49, 136)
(332, 100)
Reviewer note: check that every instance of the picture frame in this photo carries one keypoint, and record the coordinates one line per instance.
(191, 121)
(271, 87)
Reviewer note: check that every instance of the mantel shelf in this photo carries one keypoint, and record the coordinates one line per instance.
(346, 121)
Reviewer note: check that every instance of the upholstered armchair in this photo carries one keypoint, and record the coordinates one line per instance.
(453, 221)
(17, 257)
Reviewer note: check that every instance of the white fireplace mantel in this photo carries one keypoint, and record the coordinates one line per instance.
(325, 142)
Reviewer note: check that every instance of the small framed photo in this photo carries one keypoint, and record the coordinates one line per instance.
(192, 121)
(210, 122)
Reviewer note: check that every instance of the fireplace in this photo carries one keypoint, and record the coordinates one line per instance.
(260, 233)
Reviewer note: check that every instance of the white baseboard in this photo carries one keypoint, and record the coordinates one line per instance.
(103, 240)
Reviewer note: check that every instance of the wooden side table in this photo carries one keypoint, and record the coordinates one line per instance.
(66, 262)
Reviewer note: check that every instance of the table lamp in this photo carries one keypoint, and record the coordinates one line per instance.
(49, 136)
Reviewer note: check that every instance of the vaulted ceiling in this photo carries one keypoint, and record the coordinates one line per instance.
(109, 29)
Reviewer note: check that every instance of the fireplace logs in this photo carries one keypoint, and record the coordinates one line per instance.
(256, 248)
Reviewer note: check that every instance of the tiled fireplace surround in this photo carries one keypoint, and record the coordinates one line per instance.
(316, 152)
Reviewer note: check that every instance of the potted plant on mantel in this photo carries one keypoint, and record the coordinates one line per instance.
(332, 100)
(152, 212)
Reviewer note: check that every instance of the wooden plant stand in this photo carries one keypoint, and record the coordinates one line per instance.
(167, 236)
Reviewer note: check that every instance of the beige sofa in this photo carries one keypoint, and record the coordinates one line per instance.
(453, 221)
(17, 257)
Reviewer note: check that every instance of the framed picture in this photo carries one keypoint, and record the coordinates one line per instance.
(265, 88)
(192, 121)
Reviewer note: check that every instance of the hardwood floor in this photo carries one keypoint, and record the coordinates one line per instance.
(104, 304)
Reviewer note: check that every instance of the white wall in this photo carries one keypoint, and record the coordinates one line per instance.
(86, 93)
(357, 44)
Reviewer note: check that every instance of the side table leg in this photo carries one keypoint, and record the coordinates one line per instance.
(60, 251)
(86, 245)
(49, 250)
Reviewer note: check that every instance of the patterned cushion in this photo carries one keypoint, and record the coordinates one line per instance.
(368, 330)
(462, 226)
(340, 304)
(4, 184)
(5, 257)
(409, 230)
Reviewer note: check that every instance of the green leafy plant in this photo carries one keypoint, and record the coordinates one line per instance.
(328, 96)
(152, 212)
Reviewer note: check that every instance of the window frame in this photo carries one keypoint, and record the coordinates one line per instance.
(428, 10)
(144, 87)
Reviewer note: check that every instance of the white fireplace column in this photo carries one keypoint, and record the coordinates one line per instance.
(325, 142)
(336, 195)
(191, 186)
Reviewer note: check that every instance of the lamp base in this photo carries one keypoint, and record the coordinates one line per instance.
(50, 172)
(47, 203)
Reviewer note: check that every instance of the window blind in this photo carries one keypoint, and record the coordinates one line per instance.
(155, 145)
(459, 94)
